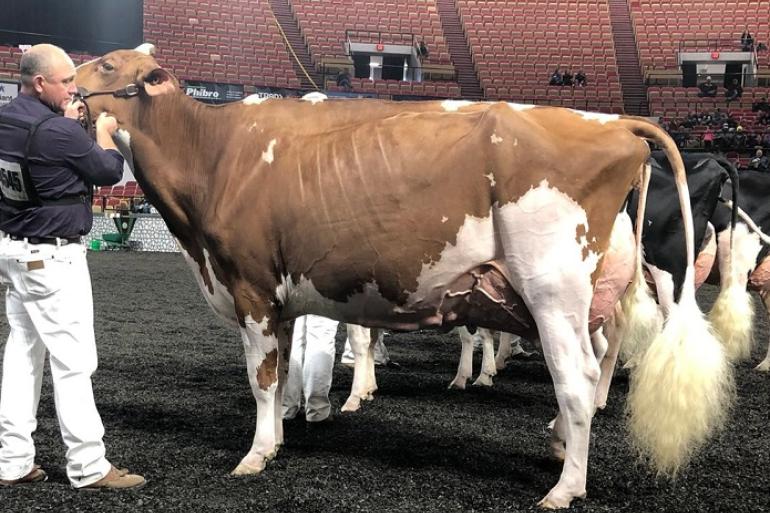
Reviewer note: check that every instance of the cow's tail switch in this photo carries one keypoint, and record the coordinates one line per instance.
(732, 315)
(682, 385)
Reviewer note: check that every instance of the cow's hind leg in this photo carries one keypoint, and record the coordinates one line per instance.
(465, 367)
(764, 365)
(262, 345)
(610, 337)
(571, 361)
(488, 369)
(360, 342)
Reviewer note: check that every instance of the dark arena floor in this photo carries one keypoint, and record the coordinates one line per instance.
(174, 397)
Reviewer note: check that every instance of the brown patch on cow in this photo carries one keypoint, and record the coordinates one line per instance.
(267, 372)
(580, 234)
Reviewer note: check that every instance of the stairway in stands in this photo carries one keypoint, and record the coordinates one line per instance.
(459, 51)
(290, 27)
(629, 68)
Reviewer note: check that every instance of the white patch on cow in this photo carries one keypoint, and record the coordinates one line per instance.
(541, 232)
(491, 178)
(253, 127)
(496, 139)
(455, 105)
(315, 97)
(221, 301)
(122, 139)
(259, 328)
(254, 99)
(518, 107)
(146, 48)
(597, 116)
(268, 155)
(444, 219)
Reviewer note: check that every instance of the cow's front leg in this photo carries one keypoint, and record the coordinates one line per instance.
(265, 343)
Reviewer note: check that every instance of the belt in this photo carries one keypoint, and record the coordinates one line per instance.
(56, 241)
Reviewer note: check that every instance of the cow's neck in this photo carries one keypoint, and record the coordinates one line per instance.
(175, 141)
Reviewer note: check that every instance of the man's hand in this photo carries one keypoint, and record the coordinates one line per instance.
(107, 123)
(74, 109)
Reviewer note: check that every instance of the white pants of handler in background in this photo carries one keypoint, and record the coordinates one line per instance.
(49, 307)
(310, 368)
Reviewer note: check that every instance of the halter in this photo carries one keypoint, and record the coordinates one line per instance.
(83, 93)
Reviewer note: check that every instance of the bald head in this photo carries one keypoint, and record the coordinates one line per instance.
(42, 59)
(48, 73)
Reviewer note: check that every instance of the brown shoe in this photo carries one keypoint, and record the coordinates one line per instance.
(117, 479)
(35, 475)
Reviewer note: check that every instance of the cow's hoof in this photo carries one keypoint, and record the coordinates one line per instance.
(552, 501)
(352, 404)
(484, 380)
(458, 383)
(764, 366)
(246, 469)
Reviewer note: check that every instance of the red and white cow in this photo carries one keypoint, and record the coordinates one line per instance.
(412, 215)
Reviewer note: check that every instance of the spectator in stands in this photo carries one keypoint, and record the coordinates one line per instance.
(747, 42)
(343, 80)
(760, 106)
(764, 118)
(759, 162)
(566, 78)
(733, 91)
(708, 89)
(708, 138)
(761, 47)
(766, 139)
(556, 78)
(580, 79)
(422, 49)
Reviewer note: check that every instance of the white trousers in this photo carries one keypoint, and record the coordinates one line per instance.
(49, 308)
(381, 354)
(310, 368)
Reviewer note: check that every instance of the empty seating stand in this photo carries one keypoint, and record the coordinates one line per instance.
(229, 42)
(323, 23)
(517, 45)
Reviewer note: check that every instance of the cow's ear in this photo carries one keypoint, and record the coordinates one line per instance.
(159, 81)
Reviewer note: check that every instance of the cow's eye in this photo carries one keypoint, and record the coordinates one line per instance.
(107, 66)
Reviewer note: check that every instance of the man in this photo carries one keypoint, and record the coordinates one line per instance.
(734, 90)
(759, 162)
(49, 164)
(708, 89)
(310, 368)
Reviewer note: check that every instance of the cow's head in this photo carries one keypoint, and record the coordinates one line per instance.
(115, 82)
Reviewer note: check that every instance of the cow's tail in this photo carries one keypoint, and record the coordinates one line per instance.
(642, 315)
(732, 315)
(682, 385)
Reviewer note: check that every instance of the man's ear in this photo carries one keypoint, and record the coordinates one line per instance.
(37, 83)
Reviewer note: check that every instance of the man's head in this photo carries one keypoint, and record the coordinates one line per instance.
(758, 153)
(48, 73)
(708, 80)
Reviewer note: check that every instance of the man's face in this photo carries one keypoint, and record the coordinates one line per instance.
(57, 88)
